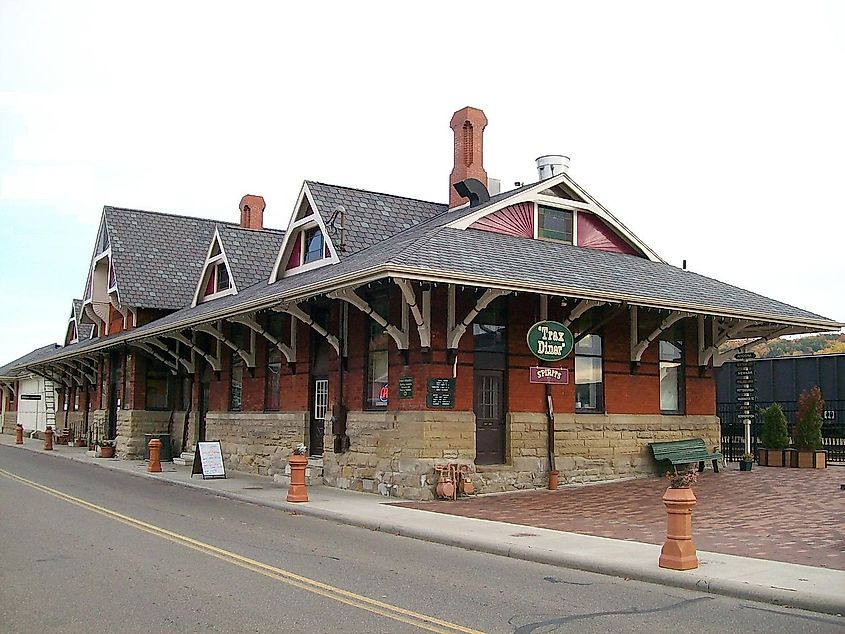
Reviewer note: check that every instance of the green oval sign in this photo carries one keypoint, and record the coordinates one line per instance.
(550, 340)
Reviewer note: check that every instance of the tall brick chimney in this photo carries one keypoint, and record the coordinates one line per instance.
(252, 212)
(468, 125)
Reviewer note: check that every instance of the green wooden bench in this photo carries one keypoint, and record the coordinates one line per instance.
(685, 452)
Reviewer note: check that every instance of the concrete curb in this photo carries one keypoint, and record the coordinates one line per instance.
(690, 580)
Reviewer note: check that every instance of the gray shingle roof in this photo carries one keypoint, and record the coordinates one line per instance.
(484, 259)
(251, 254)
(370, 217)
(505, 259)
(15, 368)
(157, 257)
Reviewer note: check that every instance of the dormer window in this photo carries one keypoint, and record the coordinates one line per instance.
(314, 247)
(554, 224)
(216, 279)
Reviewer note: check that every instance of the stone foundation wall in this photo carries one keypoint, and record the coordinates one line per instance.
(394, 453)
(616, 446)
(10, 419)
(256, 442)
(588, 447)
(132, 424)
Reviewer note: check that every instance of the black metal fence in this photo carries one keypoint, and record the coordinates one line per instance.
(733, 430)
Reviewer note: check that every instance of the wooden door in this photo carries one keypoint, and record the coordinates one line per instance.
(489, 416)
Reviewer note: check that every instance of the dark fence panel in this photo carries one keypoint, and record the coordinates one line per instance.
(733, 431)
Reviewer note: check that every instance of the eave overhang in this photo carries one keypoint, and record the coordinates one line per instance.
(764, 322)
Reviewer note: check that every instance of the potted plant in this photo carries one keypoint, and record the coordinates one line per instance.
(106, 449)
(775, 439)
(808, 431)
(678, 551)
(746, 462)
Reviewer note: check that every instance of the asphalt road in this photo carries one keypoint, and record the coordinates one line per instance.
(88, 549)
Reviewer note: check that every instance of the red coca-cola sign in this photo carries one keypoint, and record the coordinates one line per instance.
(555, 376)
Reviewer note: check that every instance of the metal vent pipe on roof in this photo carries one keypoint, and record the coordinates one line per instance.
(550, 165)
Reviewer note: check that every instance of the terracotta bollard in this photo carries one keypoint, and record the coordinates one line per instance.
(678, 553)
(155, 456)
(18, 434)
(296, 490)
(48, 439)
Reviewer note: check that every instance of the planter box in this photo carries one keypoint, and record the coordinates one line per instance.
(745, 465)
(809, 459)
(775, 457)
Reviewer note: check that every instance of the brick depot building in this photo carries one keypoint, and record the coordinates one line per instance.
(389, 335)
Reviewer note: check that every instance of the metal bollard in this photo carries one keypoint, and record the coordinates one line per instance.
(155, 456)
(18, 434)
(48, 439)
(296, 490)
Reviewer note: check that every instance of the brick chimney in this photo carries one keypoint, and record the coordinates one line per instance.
(468, 125)
(252, 212)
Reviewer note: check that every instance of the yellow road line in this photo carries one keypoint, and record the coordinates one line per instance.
(386, 610)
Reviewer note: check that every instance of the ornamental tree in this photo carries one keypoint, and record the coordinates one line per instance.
(774, 434)
(808, 430)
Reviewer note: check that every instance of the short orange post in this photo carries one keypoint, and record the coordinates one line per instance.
(18, 434)
(296, 490)
(678, 552)
(155, 456)
(48, 439)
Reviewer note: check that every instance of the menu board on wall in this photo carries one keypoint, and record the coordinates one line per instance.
(440, 393)
(208, 460)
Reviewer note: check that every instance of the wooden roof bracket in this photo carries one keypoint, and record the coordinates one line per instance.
(421, 317)
(189, 365)
(601, 324)
(351, 297)
(305, 318)
(6, 385)
(217, 333)
(639, 347)
(249, 321)
(213, 361)
(579, 309)
(174, 367)
(456, 331)
(81, 369)
(728, 355)
(66, 378)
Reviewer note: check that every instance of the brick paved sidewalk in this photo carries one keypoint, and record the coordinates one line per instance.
(791, 515)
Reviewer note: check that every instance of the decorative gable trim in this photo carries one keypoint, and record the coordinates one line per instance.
(293, 243)
(215, 256)
(513, 220)
(539, 193)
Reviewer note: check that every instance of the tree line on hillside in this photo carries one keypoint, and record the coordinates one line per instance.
(813, 344)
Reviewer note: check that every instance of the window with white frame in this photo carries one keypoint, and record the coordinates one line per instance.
(589, 386)
(672, 371)
(555, 224)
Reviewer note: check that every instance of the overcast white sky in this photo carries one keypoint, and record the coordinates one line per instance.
(715, 131)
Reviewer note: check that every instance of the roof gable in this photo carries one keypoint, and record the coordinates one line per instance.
(208, 286)
(157, 257)
(247, 254)
(292, 258)
(559, 191)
